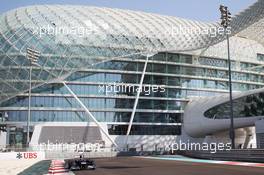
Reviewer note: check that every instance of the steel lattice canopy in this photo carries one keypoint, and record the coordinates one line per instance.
(93, 35)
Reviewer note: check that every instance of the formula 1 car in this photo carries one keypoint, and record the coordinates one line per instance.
(80, 163)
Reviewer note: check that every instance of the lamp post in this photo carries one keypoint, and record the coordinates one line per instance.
(225, 22)
(32, 56)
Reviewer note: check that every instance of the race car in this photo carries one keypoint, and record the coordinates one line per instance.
(80, 163)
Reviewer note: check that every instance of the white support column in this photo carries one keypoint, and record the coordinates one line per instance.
(90, 114)
(137, 97)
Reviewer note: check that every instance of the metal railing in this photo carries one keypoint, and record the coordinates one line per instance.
(14, 148)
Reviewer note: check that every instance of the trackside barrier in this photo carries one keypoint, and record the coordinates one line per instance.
(249, 155)
(30, 155)
(142, 153)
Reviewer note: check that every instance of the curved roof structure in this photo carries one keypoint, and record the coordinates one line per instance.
(72, 37)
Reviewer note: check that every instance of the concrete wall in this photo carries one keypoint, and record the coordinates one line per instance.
(156, 142)
(145, 142)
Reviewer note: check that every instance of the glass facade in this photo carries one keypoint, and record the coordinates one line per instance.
(170, 80)
(248, 106)
(144, 130)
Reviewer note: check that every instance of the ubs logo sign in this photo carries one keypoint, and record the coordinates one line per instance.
(19, 156)
(27, 155)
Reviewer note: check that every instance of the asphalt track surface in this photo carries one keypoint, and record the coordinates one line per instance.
(141, 166)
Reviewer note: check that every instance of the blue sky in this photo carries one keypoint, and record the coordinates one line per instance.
(203, 10)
